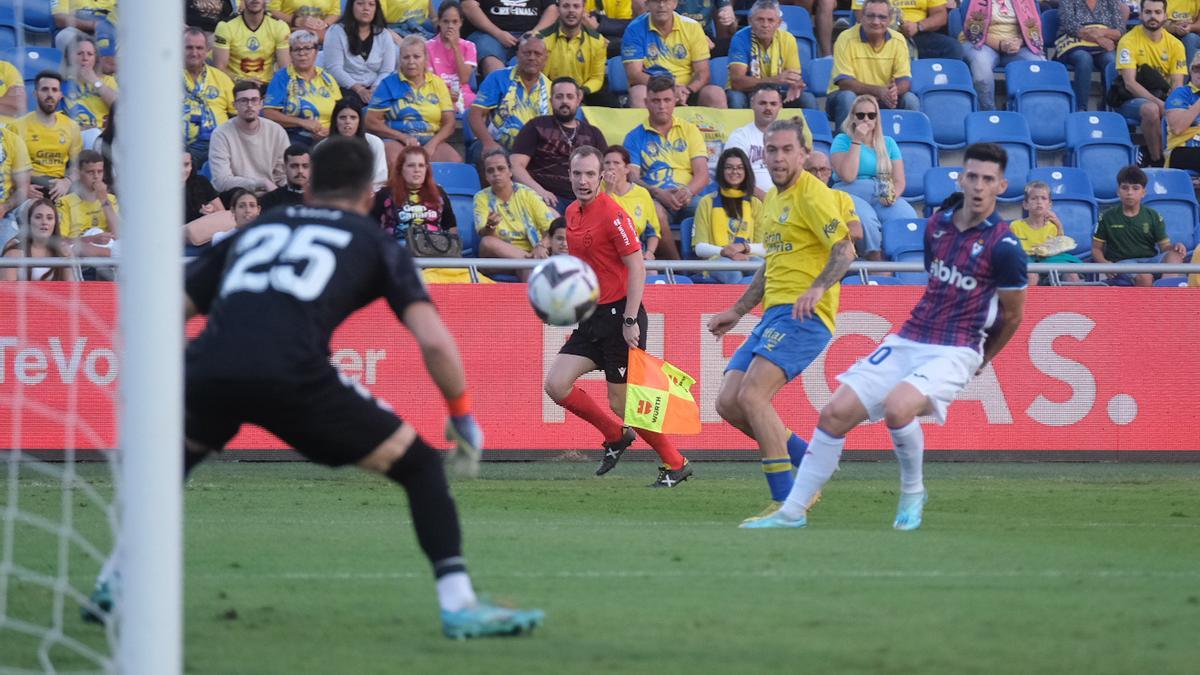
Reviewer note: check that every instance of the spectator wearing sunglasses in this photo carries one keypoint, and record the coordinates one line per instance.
(868, 164)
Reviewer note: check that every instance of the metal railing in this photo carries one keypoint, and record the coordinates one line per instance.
(671, 267)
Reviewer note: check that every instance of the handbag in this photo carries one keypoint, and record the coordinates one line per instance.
(1148, 77)
(426, 243)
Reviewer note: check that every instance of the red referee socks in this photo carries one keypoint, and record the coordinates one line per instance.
(663, 446)
(586, 409)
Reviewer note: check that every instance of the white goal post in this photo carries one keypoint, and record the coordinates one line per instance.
(149, 147)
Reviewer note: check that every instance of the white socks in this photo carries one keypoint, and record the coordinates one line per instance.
(909, 442)
(818, 466)
(455, 592)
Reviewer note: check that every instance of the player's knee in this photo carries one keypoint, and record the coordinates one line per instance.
(557, 391)
(750, 397)
(898, 412)
(727, 406)
(834, 419)
(416, 463)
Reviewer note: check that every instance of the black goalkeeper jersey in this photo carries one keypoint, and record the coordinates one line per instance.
(276, 290)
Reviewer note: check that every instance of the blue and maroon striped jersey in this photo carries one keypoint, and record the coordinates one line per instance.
(965, 271)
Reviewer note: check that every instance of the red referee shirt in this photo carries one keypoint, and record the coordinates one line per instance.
(601, 234)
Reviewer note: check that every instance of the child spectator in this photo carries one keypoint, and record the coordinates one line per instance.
(1134, 233)
(1040, 226)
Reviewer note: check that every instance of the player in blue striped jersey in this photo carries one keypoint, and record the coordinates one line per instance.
(971, 308)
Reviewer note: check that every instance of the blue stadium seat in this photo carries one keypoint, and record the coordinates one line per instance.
(464, 214)
(1171, 282)
(33, 60)
(456, 178)
(8, 38)
(799, 24)
(664, 279)
(947, 95)
(36, 17)
(205, 170)
(618, 81)
(685, 238)
(1041, 91)
(913, 133)
(1010, 130)
(816, 74)
(719, 69)
(1049, 26)
(1099, 143)
(940, 183)
(903, 235)
(912, 278)
(818, 124)
(1170, 192)
(1071, 192)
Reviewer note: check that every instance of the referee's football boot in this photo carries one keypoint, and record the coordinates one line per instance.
(910, 511)
(669, 478)
(614, 450)
(485, 619)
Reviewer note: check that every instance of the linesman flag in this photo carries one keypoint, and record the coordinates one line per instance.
(658, 396)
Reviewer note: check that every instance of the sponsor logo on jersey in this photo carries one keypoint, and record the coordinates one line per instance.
(950, 274)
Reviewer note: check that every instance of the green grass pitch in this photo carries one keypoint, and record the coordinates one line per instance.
(1019, 568)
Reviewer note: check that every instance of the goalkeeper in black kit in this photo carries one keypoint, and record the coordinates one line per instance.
(274, 293)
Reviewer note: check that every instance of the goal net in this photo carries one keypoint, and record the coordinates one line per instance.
(90, 371)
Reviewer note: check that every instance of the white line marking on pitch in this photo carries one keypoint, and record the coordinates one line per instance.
(781, 574)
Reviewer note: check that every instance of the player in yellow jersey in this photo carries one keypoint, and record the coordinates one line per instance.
(807, 230)
(251, 45)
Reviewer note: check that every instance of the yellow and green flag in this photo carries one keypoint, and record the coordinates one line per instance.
(658, 396)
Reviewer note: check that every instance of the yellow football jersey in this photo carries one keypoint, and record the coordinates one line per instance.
(14, 159)
(524, 218)
(251, 52)
(1167, 56)
(799, 226)
(76, 216)
(317, 8)
(638, 203)
(105, 7)
(581, 58)
(82, 102)
(401, 11)
(50, 147)
(9, 77)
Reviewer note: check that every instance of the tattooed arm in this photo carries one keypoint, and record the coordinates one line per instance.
(840, 257)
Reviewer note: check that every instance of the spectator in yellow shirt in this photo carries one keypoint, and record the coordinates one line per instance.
(75, 18)
(252, 45)
(87, 95)
(52, 139)
(573, 50)
(14, 171)
(12, 93)
(301, 97)
(207, 95)
(1183, 21)
(1149, 45)
(311, 15)
(663, 42)
(871, 59)
(511, 219)
(762, 54)
(90, 208)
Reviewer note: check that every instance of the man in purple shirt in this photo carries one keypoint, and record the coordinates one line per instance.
(971, 308)
(541, 153)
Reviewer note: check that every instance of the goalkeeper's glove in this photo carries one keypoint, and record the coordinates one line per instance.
(464, 432)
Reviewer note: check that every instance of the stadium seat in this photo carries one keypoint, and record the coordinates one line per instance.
(818, 124)
(1170, 192)
(940, 182)
(618, 81)
(1041, 91)
(205, 170)
(33, 60)
(1171, 282)
(798, 22)
(719, 68)
(36, 17)
(1071, 193)
(685, 238)
(8, 38)
(1010, 130)
(1099, 143)
(947, 95)
(456, 178)
(464, 214)
(664, 279)
(913, 133)
(903, 235)
(912, 278)
(816, 74)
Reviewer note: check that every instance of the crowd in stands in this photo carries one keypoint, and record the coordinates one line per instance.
(511, 87)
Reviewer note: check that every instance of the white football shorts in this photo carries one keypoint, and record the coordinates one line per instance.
(938, 371)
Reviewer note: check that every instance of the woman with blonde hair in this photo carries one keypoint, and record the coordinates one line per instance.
(38, 238)
(413, 107)
(868, 164)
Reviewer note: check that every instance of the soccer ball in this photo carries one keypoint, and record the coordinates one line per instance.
(563, 290)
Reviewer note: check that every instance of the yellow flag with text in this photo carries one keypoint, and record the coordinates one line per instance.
(658, 396)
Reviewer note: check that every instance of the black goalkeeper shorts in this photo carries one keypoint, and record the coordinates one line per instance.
(601, 339)
(328, 418)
